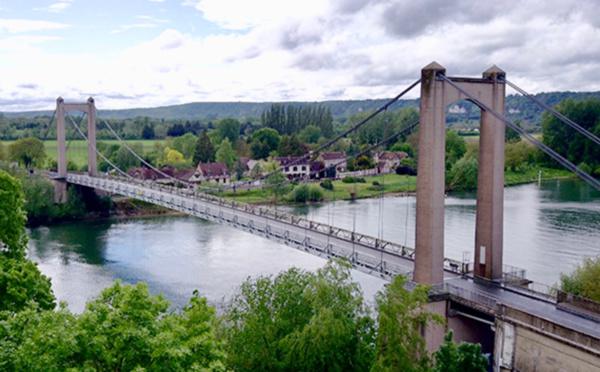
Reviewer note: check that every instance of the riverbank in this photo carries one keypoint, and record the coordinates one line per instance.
(389, 184)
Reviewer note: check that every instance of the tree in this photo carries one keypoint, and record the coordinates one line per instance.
(229, 128)
(124, 159)
(463, 174)
(310, 134)
(584, 280)
(400, 346)
(186, 145)
(204, 151)
(518, 155)
(22, 285)
(263, 142)
(459, 358)
(174, 158)
(276, 183)
(291, 146)
(28, 152)
(124, 329)
(225, 154)
(148, 132)
(568, 142)
(176, 130)
(455, 148)
(300, 321)
(13, 239)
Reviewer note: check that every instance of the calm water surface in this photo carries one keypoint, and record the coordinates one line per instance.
(548, 230)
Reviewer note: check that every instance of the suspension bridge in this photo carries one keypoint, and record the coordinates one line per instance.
(466, 293)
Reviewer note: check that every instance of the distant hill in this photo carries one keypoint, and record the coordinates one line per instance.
(518, 107)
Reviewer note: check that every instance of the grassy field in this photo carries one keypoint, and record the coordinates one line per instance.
(392, 183)
(77, 149)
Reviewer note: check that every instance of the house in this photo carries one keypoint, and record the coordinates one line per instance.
(294, 166)
(388, 161)
(211, 172)
(333, 162)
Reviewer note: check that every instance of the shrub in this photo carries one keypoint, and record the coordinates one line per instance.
(304, 193)
(584, 280)
(376, 183)
(315, 194)
(350, 179)
(327, 184)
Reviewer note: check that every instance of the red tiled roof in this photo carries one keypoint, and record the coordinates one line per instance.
(285, 160)
(333, 156)
(391, 155)
(213, 169)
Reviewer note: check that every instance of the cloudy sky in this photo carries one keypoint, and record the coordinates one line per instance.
(140, 53)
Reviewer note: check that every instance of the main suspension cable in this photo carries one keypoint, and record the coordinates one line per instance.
(553, 154)
(556, 114)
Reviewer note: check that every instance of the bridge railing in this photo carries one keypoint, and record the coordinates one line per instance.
(265, 212)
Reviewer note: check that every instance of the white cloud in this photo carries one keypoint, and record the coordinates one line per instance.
(312, 50)
(15, 26)
(57, 7)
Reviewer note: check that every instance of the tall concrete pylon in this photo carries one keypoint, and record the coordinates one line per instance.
(62, 108)
(436, 95)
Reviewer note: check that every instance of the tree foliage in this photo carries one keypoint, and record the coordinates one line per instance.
(291, 146)
(455, 148)
(229, 128)
(300, 321)
(289, 119)
(463, 357)
(225, 154)
(584, 280)
(463, 174)
(568, 142)
(263, 142)
(23, 285)
(13, 239)
(28, 152)
(204, 151)
(185, 144)
(400, 346)
(124, 329)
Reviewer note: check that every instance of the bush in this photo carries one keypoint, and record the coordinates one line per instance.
(376, 183)
(327, 184)
(350, 179)
(585, 167)
(584, 280)
(463, 174)
(305, 193)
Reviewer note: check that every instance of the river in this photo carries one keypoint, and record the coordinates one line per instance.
(549, 229)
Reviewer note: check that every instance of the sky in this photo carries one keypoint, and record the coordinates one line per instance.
(146, 53)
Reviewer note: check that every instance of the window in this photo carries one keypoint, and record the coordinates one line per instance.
(304, 167)
(295, 169)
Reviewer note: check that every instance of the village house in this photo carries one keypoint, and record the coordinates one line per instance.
(294, 166)
(333, 162)
(211, 172)
(388, 161)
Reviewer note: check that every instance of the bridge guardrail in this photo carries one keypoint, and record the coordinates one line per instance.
(261, 211)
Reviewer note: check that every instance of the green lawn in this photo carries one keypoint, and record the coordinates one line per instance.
(77, 149)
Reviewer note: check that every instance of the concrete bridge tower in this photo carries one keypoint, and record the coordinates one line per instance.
(62, 108)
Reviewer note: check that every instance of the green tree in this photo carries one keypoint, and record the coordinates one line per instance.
(13, 239)
(186, 145)
(124, 329)
(455, 148)
(124, 159)
(276, 183)
(459, 358)
(568, 142)
(291, 146)
(174, 158)
(28, 152)
(23, 285)
(584, 280)
(300, 321)
(463, 174)
(225, 154)
(148, 132)
(204, 151)
(310, 134)
(263, 142)
(229, 128)
(402, 316)
(518, 155)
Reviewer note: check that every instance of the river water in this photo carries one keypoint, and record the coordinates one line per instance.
(549, 229)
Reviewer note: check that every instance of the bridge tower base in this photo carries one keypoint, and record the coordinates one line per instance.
(60, 191)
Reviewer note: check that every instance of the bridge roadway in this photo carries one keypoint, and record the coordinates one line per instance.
(368, 254)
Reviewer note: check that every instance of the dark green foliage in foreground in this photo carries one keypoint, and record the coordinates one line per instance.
(300, 321)
(22, 285)
(124, 329)
(459, 358)
(13, 239)
(400, 346)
